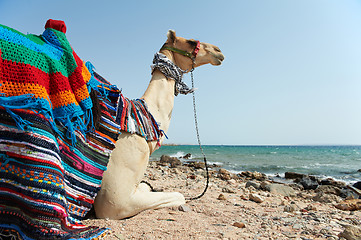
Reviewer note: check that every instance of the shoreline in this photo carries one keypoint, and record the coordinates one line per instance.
(246, 206)
(338, 162)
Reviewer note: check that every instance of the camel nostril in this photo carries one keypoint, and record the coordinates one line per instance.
(217, 49)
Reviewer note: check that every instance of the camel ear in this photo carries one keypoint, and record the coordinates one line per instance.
(171, 36)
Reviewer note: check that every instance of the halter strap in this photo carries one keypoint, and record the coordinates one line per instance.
(192, 55)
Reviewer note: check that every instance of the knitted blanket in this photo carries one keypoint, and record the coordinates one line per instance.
(52, 157)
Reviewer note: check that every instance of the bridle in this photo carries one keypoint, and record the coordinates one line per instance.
(191, 55)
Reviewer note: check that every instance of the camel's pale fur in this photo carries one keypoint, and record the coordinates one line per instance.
(122, 195)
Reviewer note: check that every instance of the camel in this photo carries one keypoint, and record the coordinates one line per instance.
(122, 193)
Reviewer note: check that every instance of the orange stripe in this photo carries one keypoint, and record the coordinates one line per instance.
(16, 89)
(86, 74)
(82, 93)
(105, 136)
(62, 99)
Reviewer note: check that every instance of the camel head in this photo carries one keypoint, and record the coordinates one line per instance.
(190, 53)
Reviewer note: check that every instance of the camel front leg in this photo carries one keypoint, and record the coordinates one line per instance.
(122, 195)
(145, 199)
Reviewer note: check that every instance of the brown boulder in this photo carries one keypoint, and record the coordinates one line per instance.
(254, 175)
(326, 198)
(332, 182)
(328, 189)
(224, 174)
(349, 205)
(293, 175)
(351, 233)
(196, 165)
(170, 161)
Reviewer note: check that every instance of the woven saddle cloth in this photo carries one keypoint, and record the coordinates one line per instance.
(52, 158)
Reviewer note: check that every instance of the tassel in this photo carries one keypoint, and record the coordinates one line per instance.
(163, 133)
(70, 134)
(21, 123)
(89, 120)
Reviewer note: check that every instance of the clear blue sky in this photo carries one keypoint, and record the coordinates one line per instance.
(292, 73)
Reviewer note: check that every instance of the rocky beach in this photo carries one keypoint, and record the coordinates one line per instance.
(248, 205)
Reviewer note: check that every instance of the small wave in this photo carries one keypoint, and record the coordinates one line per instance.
(178, 155)
(216, 163)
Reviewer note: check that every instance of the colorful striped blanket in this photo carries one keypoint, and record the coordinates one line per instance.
(52, 156)
(133, 117)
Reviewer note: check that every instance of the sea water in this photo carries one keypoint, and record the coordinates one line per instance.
(338, 162)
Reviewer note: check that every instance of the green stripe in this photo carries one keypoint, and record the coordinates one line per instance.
(21, 54)
(65, 66)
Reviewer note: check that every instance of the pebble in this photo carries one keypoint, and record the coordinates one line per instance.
(232, 181)
(239, 224)
(119, 236)
(311, 207)
(221, 197)
(254, 184)
(290, 208)
(184, 208)
(256, 198)
(297, 226)
(228, 190)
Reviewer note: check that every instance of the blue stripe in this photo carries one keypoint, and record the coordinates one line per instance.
(16, 38)
(5, 157)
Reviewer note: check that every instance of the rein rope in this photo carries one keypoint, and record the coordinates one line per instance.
(199, 143)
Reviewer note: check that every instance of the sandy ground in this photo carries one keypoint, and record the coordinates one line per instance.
(226, 212)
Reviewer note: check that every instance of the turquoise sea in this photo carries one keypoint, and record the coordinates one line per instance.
(339, 162)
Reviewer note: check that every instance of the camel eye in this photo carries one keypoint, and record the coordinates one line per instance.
(193, 43)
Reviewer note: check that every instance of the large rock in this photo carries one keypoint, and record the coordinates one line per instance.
(351, 232)
(196, 165)
(326, 198)
(187, 156)
(349, 205)
(293, 175)
(280, 189)
(254, 175)
(328, 189)
(224, 174)
(308, 183)
(254, 184)
(348, 193)
(357, 185)
(332, 182)
(171, 161)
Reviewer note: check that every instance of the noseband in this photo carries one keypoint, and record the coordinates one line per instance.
(191, 55)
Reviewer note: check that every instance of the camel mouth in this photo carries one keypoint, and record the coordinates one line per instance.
(218, 59)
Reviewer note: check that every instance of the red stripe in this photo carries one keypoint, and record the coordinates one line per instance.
(11, 154)
(25, 73)
(30, 198)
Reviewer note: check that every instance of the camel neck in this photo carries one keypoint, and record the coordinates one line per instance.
(159, 97)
